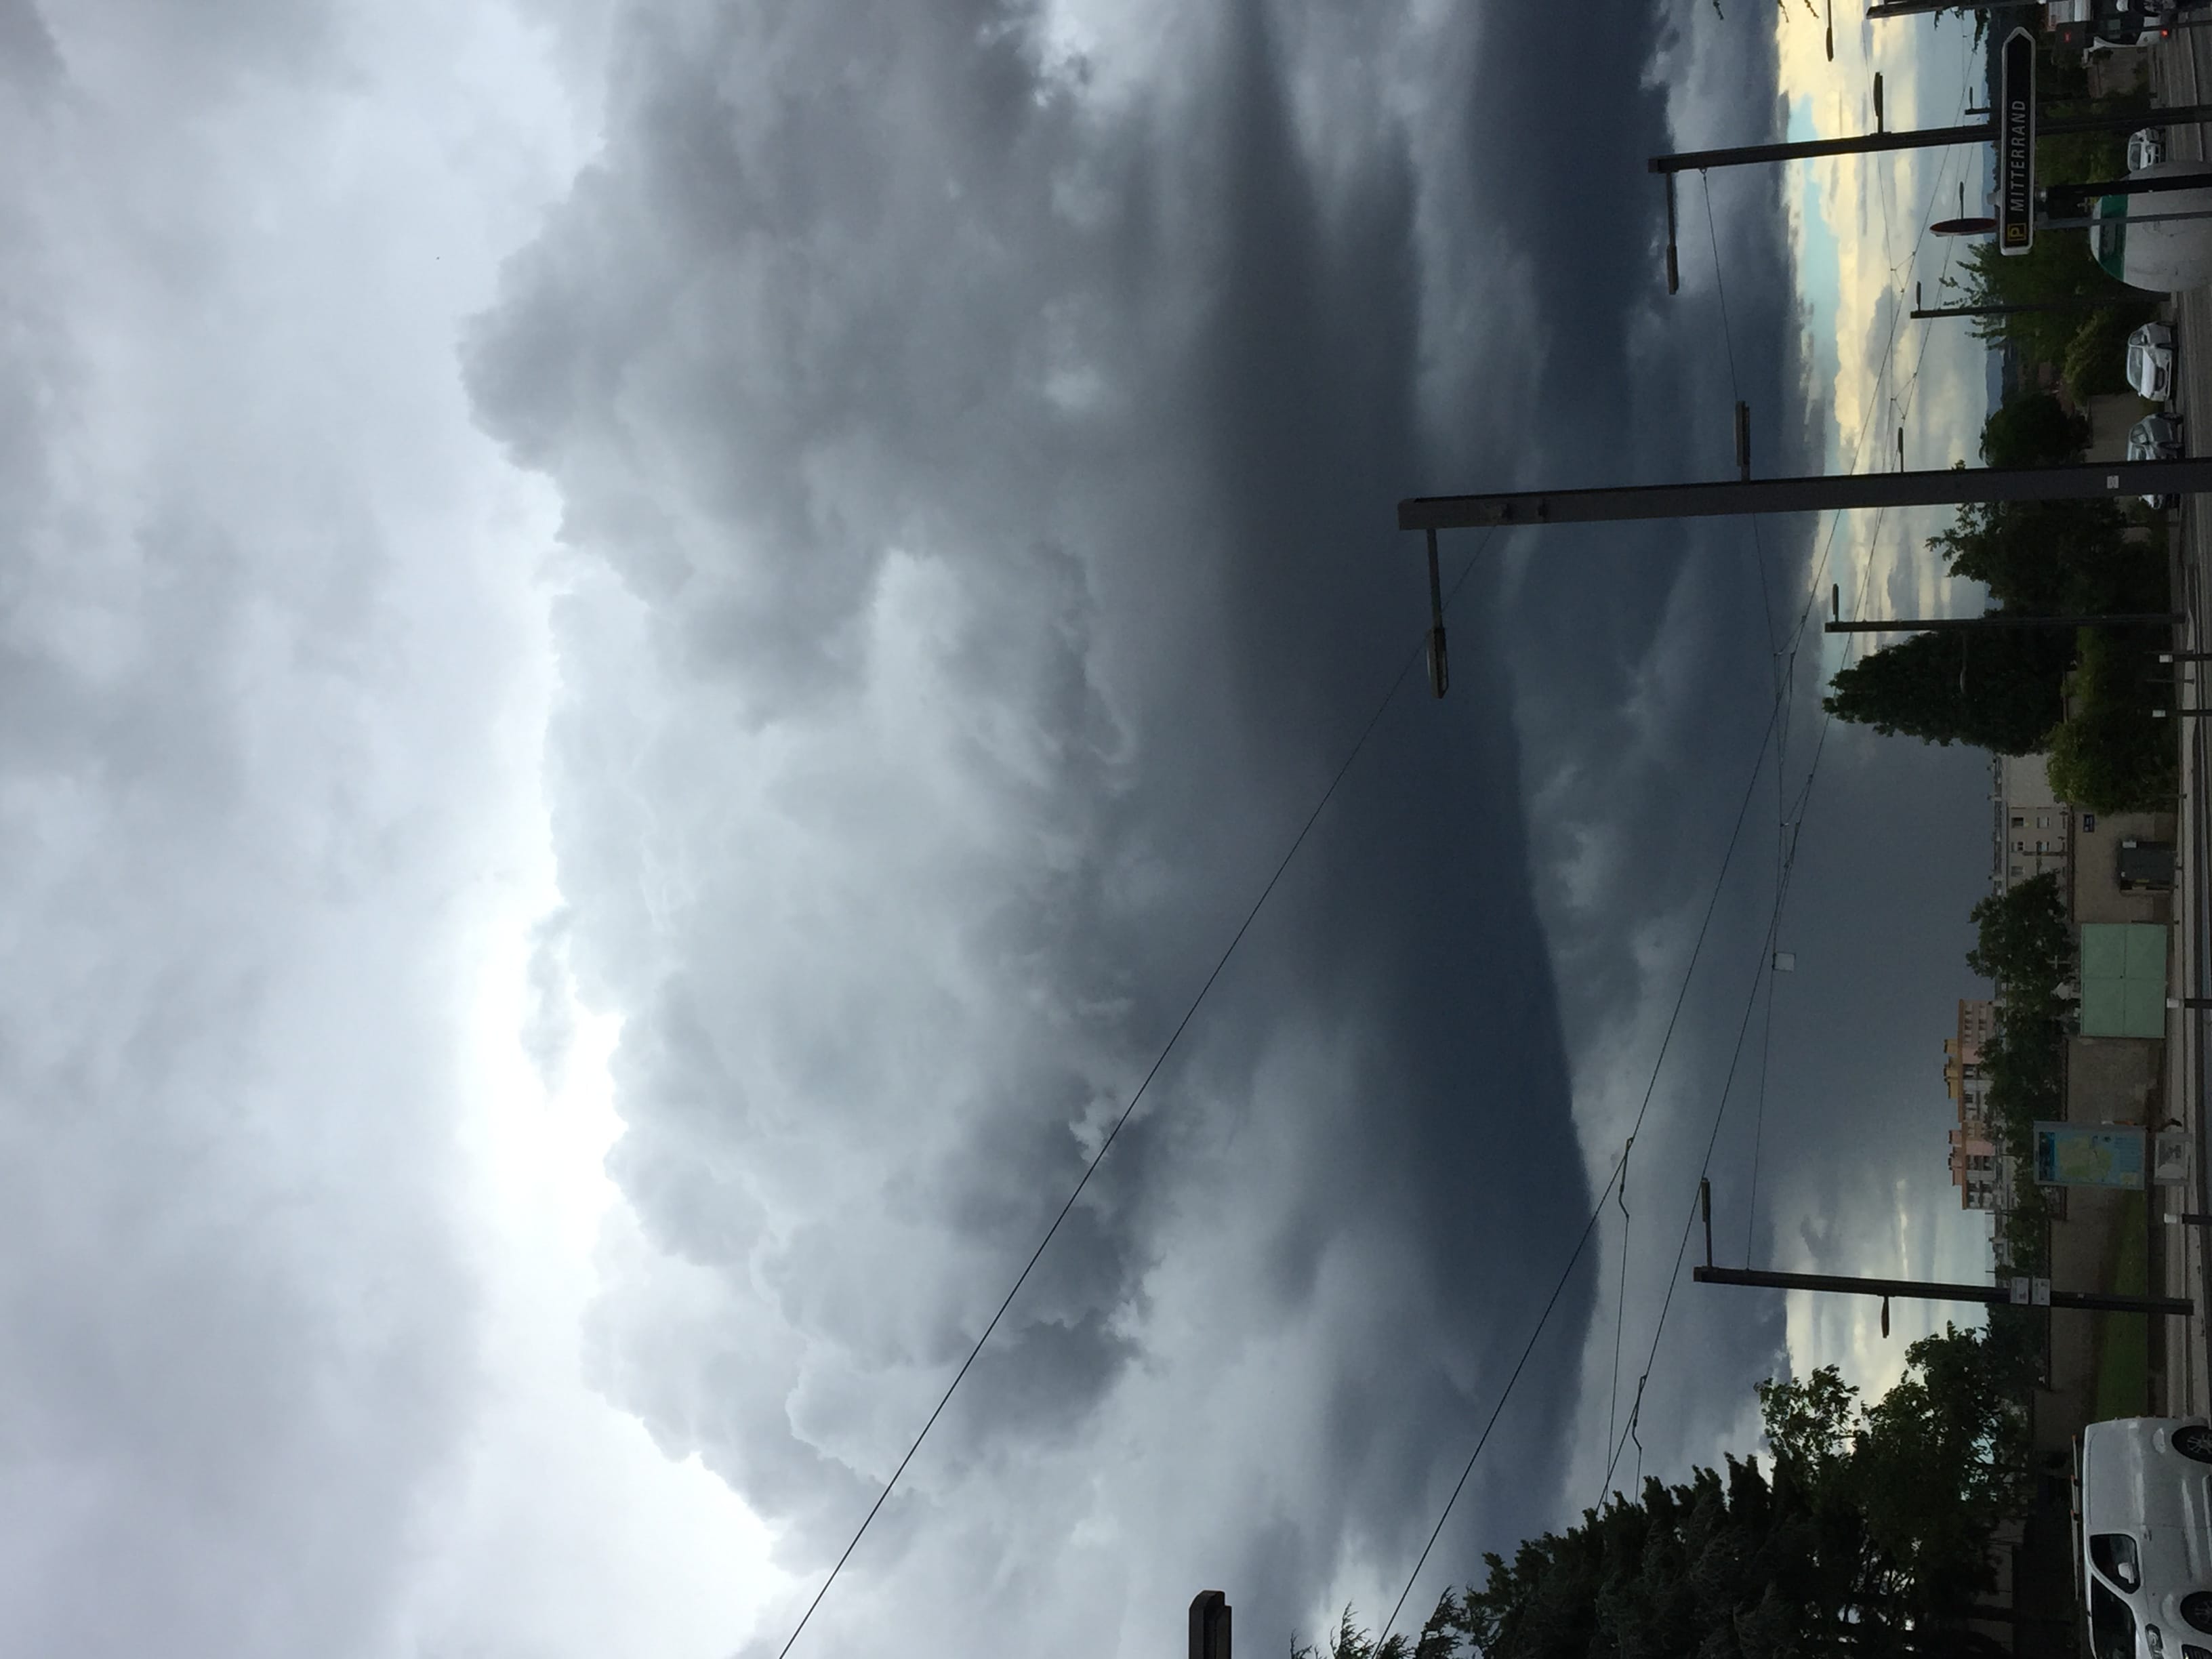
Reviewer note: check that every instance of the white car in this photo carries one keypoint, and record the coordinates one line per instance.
(2155, 438)
(2150, 361)
(2146, 148)
(2147, 1537)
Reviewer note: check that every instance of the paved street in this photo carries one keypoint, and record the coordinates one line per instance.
(2180, 71)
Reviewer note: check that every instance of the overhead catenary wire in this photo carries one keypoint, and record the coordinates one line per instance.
(1858, 444)
(1793, 819)
(1786, 819)
(1779, 687)
(1762, 971)
(1359, 744)
(1697, 948)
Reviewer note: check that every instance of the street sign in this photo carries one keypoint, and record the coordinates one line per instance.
(2016, 115)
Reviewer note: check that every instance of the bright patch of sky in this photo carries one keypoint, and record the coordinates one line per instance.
(1857, 225)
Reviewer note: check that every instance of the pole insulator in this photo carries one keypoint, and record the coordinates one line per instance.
(1439, 658)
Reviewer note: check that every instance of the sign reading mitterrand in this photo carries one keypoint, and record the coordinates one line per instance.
(2016, 144)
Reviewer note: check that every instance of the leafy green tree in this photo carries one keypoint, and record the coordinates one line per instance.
(2053, 558)
(1935, 1465)
(1809, 1425)
(2112, 755)
(2022, 940)
(2095, 362)
(2058, 267)
(1870, 1539)
(1998, 691)
(2023, 1065)
(2033, 429)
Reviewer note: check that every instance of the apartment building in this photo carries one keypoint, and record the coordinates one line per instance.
(1984, 1181)
(2031, 825)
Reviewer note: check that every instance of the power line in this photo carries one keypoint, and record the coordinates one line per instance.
(1697, 948)
(1786, 855)
(1785, 838)
(1764, 971)
(1298, 840)
(1858, 445)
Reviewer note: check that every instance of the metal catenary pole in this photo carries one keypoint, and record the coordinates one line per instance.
(1997, 620)
(1921, 7)
(1950, 486)
(1932, 1291)
(1981, 132)
(2016, 307)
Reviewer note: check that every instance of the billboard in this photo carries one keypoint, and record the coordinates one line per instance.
(2089, 1155)
(2109, 1155)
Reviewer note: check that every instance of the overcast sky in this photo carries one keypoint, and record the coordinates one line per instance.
(655, 646)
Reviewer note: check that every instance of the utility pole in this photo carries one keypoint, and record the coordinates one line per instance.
(1990, 131)
(1920, 8)
(1996, 620)
(1930, 1290)
(1979, 133)
(2077, 198)
(1949, 486)
(2015, 307)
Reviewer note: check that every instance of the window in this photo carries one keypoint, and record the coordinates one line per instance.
(2041, 847)
(2114, 1555)
(2112, 1626)
(2019, 821)
(2088, 822)
(2042, 820)
(2016, 869)
(2020, 847)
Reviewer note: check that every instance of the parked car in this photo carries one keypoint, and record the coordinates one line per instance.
(2146, 1508)
(2146, 148)
(2150, 361)
(2155, 438)
(2092, 27)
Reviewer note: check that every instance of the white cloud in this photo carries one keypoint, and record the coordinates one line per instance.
(294, 1362)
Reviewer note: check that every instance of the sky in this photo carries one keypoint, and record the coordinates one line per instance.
(658, 647)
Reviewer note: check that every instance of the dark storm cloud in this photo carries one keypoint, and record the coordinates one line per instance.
(998, 477)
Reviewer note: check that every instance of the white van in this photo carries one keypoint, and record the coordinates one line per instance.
(2145, 1496)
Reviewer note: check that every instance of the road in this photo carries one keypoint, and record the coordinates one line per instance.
(2181, 70)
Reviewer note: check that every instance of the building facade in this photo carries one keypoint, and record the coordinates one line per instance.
(2031, 826)
(1982, 1177)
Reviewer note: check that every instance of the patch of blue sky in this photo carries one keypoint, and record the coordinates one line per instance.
(1819, 273)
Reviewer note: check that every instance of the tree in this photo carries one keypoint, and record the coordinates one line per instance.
(2023, 942)
(2052, 558)
(2058, 267)
(2112, 754)
(2032, 430)
(1998, 691)
(1871, 1537)
(1935, 1465)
